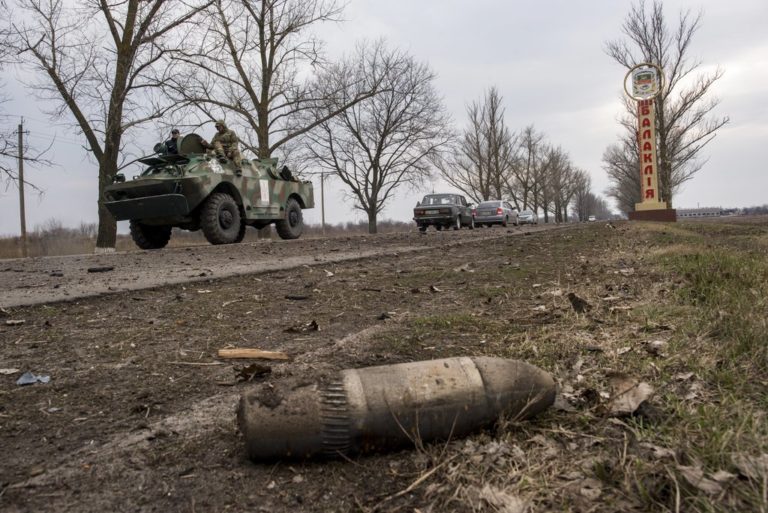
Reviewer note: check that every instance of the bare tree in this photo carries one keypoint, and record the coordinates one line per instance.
(552, 179)
(684, 110)
(9, 138)
(258, 64)
(387, 140)
(582, 197)
(480, 164)
(101, 63)
(522, 185)
(621, 162)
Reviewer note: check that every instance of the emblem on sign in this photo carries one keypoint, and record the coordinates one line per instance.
(647, 81)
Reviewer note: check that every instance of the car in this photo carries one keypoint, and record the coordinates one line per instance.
(528, 217)
(443, 211)
(192, 190)
(493, 212)
(592, 219)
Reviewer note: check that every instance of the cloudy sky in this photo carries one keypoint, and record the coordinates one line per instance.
(545, 58)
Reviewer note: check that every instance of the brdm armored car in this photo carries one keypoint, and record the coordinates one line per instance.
(194, 190)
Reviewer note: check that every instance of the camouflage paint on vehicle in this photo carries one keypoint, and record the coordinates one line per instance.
(173, 187)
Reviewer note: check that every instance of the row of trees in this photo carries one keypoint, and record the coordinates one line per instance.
(373, 119)
(490, 161)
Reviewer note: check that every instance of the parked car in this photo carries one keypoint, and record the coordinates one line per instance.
(495, 212)
(443, 211)
(528, 217)
(591, 219)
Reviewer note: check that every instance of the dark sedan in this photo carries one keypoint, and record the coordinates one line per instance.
(495, 212)
(443, 211)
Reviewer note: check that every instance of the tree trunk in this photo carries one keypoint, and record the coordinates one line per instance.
(107, 234)
(372, 228)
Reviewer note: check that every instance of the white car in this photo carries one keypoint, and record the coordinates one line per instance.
(528, 217)
(591, 219)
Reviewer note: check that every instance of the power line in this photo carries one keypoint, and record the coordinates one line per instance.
(55, 138)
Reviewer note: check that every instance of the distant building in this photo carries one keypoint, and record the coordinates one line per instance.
(699, 212)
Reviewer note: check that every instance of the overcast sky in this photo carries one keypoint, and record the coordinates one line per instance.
(545, 58)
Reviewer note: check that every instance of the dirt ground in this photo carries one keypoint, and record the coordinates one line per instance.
(139, 414)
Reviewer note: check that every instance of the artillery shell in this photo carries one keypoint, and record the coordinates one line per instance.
(389, 407)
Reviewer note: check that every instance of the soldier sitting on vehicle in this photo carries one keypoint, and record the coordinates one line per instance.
(224, 144)
(172, 144)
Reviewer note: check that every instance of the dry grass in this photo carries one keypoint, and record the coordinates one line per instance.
(701, 289)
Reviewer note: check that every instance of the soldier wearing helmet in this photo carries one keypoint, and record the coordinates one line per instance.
(225, 145)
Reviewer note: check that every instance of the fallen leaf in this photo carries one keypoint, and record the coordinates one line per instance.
(658, 453)
(693, 391)
(15, 322)
(656, 347)
(252, 371)
(591, 488)
(579, 305)
(712, 485)
(683, 376)
(752, 467)
(627, 394)
(328, 273)
(502, 501)
(623, 350)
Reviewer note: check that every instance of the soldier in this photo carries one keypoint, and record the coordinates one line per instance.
(224, 143)
(172, 144)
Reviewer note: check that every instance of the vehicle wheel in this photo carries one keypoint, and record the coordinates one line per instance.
(293, 225)
(241, 233)
(457, 224)
(220, 219)
(150, 237)
(505, 222)
(471, 223)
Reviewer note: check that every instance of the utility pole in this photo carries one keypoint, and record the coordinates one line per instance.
(322, 200)
(22, 210)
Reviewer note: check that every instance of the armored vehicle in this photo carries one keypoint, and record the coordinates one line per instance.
(194, 190)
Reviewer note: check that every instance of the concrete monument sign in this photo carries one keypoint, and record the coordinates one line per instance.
(647, 81)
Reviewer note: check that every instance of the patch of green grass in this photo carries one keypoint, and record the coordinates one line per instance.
(730, 292)
(721, 319)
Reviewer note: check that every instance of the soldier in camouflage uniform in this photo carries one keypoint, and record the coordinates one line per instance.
(225, 144)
